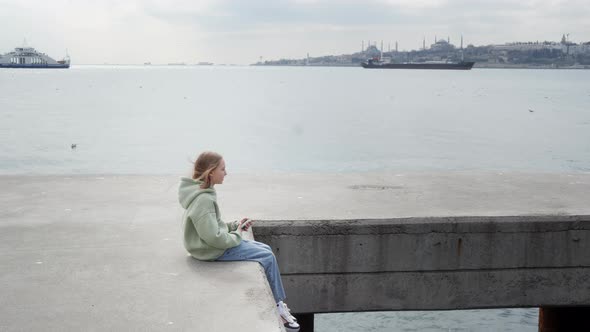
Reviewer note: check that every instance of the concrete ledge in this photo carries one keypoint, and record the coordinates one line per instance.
(432, 263)
(82, 255)
(438, 290)
(428, 244)
(123, 288)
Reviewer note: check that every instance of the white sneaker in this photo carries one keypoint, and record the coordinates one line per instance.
(287, 309)
(289, 321)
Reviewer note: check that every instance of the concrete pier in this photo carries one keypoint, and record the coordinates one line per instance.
(434, 263)
(105, 252)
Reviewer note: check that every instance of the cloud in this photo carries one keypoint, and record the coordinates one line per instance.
(239, 14)
(496, 21)
(226, 15)
(242, 30)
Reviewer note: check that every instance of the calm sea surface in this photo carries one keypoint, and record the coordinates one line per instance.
(148, 119)
(154, 120)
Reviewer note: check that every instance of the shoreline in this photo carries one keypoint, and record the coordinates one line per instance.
(477, 65)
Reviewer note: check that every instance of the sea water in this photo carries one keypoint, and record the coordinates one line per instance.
(156, 119)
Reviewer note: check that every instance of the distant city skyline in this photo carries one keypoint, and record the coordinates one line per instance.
(240, 32)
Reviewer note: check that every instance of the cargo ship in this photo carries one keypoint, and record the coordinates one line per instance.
(28, 57)
(376, 64)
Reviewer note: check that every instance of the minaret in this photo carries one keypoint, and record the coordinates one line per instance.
(424, 43)
(396, 46)
(448, 39)
(462, 56)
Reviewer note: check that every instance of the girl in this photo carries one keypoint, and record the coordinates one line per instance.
(208, 238)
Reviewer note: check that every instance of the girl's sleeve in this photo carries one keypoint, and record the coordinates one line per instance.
(232, 225)
(209, 231)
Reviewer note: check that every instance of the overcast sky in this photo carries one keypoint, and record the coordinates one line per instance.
(242, 31)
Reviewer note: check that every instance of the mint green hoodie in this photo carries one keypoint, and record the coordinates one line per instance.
(206, 236)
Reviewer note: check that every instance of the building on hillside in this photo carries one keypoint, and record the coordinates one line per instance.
(372, 52)
(582, 48)
(442, 46)
(530, 46)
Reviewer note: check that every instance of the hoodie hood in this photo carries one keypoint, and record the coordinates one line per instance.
(189, 190)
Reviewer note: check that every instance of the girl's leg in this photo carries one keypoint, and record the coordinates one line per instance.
(263, 245)
(249, 251)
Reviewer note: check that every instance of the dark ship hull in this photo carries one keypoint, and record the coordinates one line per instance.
(463, 65)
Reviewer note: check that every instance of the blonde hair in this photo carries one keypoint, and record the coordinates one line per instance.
(205, 164)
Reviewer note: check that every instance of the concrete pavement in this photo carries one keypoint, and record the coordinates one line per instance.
(100, 254)
(105, 252)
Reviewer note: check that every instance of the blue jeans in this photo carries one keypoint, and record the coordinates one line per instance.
(261, 253)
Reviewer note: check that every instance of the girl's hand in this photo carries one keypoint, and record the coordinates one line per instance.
(245, 224)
